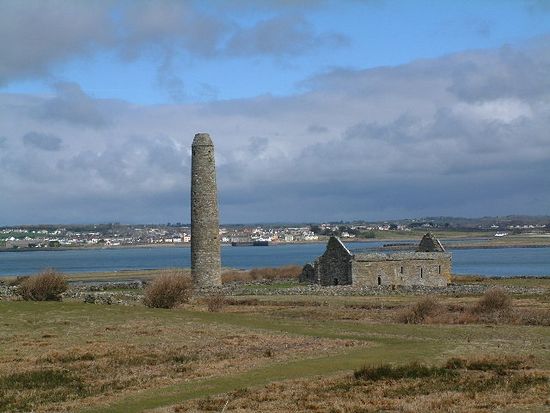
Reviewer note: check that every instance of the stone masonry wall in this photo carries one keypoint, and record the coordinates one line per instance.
(308, 275)
(402, 269)
(334, 266)
(205, 238)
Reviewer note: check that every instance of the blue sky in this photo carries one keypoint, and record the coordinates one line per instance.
(374, 33)
(338, 106)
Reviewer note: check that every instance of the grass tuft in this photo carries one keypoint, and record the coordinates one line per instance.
(407, 371)
(168, 291)
(419, 312)
(215, 302)
(495, 299)
(46, 286)
(37, 379)
(23, 391)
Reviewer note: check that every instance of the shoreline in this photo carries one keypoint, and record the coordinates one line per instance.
(475, 243)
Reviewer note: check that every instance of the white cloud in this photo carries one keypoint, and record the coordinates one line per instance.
(404, 141)
(502, 110)
(37, 36)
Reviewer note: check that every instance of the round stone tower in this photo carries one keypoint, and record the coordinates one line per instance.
(205, 236)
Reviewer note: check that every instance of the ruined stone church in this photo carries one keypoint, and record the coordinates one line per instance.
(429, 265)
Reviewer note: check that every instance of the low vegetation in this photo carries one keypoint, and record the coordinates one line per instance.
(46, 286)
(268, 350)
(216, 301)
(168, 291)
(471, 385)
(494, 307)
(498, 364)
(421, 311)
(65, 357)
(256, 274)
(40, 387)
(495, 299)
(406, 371)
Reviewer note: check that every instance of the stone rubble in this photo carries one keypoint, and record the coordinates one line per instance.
(117, 292)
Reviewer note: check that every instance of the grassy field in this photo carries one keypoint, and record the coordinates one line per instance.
(416, 234)
(276, 353)
(269, 350)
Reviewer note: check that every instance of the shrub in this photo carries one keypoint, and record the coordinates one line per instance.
(407, 371)
(495, 299)
(46, 286)
(216, 301)
(168, 291)
(427, 307)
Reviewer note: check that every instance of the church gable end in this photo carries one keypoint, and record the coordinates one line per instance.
(334, 266)
(429, 243)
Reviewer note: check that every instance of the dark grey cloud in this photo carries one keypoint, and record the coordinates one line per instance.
(72, 105)
(414, 140)
(3, 142)
(44, 141)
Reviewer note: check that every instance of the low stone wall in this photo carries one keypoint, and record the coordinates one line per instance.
(102, 293)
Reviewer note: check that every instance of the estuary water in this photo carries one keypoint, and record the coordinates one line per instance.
(503, 262)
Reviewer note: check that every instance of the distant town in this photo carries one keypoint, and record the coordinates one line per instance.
(115, 234)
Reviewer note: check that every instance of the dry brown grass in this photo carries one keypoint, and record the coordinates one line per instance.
(495, 299)
(499, 364)
(255, 274)
(481, 385)
(168, 291)
(533, 317)
(46, 286)
(494, 307)
(89, 355)
(105, 353)
(216, 301)
(420, 312)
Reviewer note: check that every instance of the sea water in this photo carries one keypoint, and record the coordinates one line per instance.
(503, 262)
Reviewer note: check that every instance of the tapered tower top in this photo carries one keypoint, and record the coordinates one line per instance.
(202, 139)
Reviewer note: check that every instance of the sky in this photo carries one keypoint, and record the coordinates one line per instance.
(320, 110)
